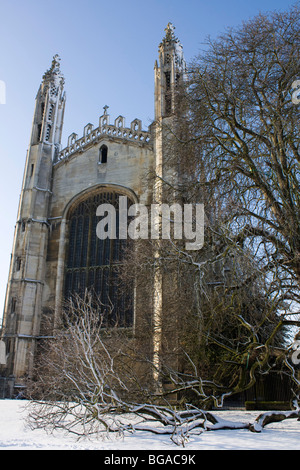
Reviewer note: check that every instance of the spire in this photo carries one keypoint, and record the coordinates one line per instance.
(170, 36)
(54, 73)
(171, 45)
(53, 78)
(50, 102)
(168, 73)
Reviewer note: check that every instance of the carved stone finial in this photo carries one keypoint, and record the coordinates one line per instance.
(170, 37)
(105, 109)
(54, 73)
(56, 61)
(170, 32)
(55, 66)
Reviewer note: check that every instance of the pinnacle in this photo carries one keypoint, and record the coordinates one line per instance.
(54, 69)
(170, 31)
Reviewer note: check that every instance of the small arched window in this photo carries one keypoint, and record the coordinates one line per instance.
(103, 154)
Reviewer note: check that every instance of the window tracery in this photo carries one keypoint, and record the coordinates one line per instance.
(93, 265)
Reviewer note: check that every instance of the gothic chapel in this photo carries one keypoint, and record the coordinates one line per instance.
(55, 249)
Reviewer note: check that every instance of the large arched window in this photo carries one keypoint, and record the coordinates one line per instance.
(93, 264)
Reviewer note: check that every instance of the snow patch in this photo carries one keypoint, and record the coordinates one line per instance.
(15, 435)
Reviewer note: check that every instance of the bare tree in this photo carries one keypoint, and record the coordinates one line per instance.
(236, 146)
(219, 331)
(85, 381)
(246, 129)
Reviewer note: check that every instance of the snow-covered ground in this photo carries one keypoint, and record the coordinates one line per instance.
(15, 435)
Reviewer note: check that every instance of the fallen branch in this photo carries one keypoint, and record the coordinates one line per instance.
(272, 417)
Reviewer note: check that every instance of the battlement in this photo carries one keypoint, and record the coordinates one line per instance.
(134, 133)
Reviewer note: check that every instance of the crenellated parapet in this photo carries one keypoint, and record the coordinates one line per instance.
(92, 136)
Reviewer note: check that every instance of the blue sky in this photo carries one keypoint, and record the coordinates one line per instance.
(107, 51)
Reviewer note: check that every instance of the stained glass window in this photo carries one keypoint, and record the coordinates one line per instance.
(93, 264)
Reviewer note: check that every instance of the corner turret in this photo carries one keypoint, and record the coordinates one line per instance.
(23, 303)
